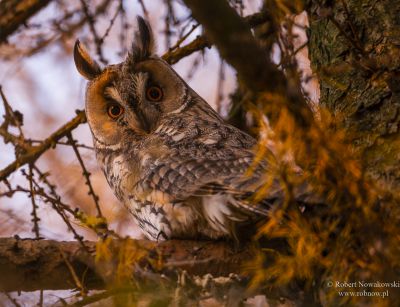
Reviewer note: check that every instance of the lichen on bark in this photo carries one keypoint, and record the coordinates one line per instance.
(354, 50)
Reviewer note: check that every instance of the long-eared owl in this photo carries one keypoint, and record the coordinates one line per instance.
(168, 156)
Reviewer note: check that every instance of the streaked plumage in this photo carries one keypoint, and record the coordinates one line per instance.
(176, 165)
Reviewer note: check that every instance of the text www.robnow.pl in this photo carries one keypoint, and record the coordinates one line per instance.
(364, 293)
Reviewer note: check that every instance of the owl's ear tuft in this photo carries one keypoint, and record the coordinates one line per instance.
(84, 63)
(143, 45)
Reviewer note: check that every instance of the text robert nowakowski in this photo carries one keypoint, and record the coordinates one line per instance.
(365, 284)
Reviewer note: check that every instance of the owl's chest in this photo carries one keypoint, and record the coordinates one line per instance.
(170, 220)
(159, 216)
(118, 173)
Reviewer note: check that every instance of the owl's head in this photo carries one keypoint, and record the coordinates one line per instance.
(132, 96)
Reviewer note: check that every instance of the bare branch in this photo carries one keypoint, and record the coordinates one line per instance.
(201, 42)
(35, 218)
(174, 56)
(86, 174)
(235, 42)
(14, 13)
(36, 151)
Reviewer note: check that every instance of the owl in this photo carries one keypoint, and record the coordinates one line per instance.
(181, 171)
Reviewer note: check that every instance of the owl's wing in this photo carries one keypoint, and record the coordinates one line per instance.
(182, 178)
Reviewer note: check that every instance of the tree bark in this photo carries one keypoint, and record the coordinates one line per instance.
(28, 265)
(14, 13)
(354, 50)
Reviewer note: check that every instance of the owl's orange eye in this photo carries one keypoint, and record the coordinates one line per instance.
(154, 93)
(115, 111)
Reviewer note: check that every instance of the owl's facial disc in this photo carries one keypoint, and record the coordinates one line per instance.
(133, 96)
(160, 91)
(108, 115)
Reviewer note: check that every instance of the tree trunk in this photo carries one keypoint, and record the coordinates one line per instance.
(354, 50)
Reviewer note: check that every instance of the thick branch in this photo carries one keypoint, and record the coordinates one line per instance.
(14, 13)
(234, 40)
(238, 47)
(202, 42)
(29, 265)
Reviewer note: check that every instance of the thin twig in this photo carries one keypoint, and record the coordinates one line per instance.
(35, 218)
(9, 113)
(63, 143)
(119, 9)
(201, 42)
(67, 30)
(60, 207)
(83, 291)
(123, 32)
(197, 44)
(195, 65)
(77, 145)
(40, 304)
(182, 39)
(101, 230)
(167, 19)
(12, 300)
(43, 178)
(13, 118)
(86, 174)
(55, 203)
(101, 296)
(220, 85)
(301, 47)
(145, 12)
(97, 39)
(36, 151)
